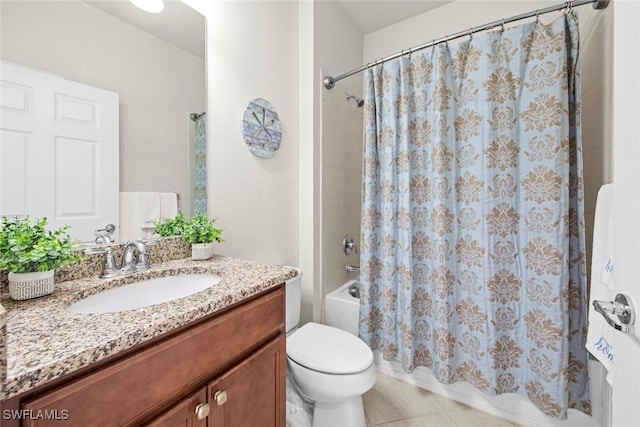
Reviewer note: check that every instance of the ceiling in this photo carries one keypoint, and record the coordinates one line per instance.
(185, 28)
(177, 24)
(370, 15)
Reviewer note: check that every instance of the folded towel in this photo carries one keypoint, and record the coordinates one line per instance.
(148, 205)
(599, 332)
(138, 211)
(606, 272)
(168, 205)
(128, 216)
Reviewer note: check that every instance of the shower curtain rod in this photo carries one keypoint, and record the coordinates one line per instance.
(329, 82)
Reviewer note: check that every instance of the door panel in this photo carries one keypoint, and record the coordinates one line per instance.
(59, 151)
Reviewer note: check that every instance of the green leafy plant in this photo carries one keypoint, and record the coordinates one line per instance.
(201, 230)
(27, 247)
(171, 226)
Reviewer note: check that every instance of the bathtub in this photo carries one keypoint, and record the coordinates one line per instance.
(342, 311)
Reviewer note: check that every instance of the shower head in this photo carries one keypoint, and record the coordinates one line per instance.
(196, 116)
(359, 101)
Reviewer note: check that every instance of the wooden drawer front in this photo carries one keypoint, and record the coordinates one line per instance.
(132, 389)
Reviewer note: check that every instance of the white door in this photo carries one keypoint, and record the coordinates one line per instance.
(59, 148)
(626, 154)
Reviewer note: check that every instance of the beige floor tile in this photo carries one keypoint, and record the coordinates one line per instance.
(393, 400)
(432, 420)
(475, 418)
(450, 404)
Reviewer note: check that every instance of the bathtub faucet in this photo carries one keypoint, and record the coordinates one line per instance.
(352, 268)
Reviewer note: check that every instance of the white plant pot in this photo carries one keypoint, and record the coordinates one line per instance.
(201, 251)
(30, 285)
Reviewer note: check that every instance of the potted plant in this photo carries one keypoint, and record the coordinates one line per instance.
(201, 233)
(171, 226)
(31, 254)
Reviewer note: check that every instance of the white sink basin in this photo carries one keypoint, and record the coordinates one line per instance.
(144, 293)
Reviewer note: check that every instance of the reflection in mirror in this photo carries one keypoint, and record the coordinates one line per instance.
(155, 63)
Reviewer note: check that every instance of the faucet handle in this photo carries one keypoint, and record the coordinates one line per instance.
(349, 245)
(109, 268)
(151, 241)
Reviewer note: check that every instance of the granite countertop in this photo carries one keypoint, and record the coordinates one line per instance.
(44, 341)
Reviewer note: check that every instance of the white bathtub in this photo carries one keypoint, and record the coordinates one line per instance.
(342, 311)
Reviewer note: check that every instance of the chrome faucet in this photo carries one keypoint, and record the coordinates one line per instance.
(352, 268)
(135, 258)
(131, 264)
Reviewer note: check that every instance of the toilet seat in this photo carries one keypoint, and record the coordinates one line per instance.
(328, 350)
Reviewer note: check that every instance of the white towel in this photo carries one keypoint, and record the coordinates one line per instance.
(148, 205)
(599, 332)
(138, 212)
(128, 216)
(168, 205)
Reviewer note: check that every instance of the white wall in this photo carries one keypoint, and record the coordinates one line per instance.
(309, 166)
(252, 52)
(159, 84)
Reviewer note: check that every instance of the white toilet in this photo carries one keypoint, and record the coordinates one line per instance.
(330, 369)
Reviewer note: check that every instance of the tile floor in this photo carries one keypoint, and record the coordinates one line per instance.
(394, 403)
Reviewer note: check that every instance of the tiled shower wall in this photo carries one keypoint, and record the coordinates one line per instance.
(341, 183)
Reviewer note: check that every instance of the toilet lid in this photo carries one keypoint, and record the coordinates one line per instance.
(327, 349)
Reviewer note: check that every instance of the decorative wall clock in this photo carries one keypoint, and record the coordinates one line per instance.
(261, 128)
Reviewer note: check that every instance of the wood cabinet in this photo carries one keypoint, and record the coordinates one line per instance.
(185, 413)
(239, 353)
(251, 394)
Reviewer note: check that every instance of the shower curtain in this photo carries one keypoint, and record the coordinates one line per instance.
(200, 169)
(473, 224)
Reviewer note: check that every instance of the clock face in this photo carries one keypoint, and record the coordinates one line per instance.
(261, 128)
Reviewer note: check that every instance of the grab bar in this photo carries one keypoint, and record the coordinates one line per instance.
(352, 268)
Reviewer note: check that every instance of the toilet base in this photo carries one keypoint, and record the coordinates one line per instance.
(348, 413)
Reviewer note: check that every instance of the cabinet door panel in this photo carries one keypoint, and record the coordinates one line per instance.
(255, 390)
(183, 414)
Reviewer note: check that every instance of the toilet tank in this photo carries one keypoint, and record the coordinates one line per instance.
(293, 300)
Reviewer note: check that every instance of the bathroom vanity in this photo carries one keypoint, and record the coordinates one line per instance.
(219, 361)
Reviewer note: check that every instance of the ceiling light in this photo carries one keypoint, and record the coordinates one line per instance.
(153, 6)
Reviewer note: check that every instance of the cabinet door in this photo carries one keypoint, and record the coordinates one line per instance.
(252, 393)
(188, 413)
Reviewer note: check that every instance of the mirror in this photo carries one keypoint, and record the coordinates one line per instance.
(154, 62)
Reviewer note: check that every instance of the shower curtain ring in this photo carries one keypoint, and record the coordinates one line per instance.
(502, 25)
(471, 34)
(537, 15)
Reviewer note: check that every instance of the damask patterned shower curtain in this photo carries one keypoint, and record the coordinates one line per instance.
(200, 169)
(473, 224)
